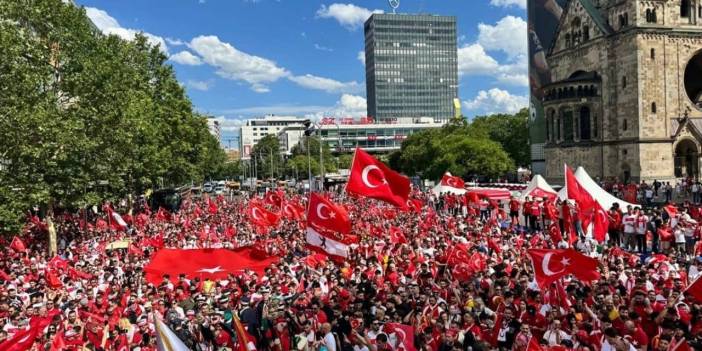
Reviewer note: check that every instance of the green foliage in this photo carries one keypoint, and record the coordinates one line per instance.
(510, 131)
(88, 117)
(266, 154)
(298, 167)
(345, 161)
(301, 150)
(458, 148)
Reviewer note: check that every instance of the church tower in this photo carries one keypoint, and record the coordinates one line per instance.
(625, 100)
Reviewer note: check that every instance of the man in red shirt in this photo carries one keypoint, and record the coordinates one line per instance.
(615, 224)
(514, 210)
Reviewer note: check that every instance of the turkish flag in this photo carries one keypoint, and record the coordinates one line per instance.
(274, 198)
(212, 206)
(459, 254)
(18, 245)
(58, 343)
(52, 280)
(551, 265)
(371, 178)
(291, 210)
(396, 236)
(203, 263)
(452, 181)
(679, 345)
(404, 334)
(262, 217)
(555, 232)
(461, 272)
(414, 205)
(324, 215)
(600, 224)
(245, 342)
(21, 341)
(115, 220)
(695, 289)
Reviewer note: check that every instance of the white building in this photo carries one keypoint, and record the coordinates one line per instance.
(257, 128)
(214, 128)
(344, 135)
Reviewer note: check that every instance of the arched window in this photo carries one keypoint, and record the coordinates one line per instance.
(558, 128)
(685, 8)
(621, 21)
(654, 18)
(653, 54)
(586, 33)
(648, 16)
(624, 125)
(567, 125)
(567, 38)
(653, 107)
(585, 127)
(623, 81)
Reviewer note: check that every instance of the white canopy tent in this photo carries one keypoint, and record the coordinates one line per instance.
(442, 189)
(538, 187)
(605, 199)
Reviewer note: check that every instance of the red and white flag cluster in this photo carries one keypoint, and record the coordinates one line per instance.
(328, 226)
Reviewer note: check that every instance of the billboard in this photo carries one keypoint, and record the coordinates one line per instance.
(543, 18)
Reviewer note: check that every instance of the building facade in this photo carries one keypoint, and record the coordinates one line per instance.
(214, 128)
(345, 137)
(411, 66)
(625, 98)
(255, 129)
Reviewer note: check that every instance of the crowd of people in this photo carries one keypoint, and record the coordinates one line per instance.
(403, 285)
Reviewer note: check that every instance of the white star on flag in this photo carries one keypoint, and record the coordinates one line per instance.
(211, 270)
(565, 262)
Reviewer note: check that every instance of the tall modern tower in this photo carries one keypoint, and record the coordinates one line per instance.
(411, 66)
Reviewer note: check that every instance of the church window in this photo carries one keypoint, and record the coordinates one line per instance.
(653, 107)
(654, 19)
(624, 125)
(648, 15)
(653, 54)
(558, 128)
(585, 123)
(586, 33)
(568, 126)
(621, 21)
(623, 81)
(685, 8)
(567, 38)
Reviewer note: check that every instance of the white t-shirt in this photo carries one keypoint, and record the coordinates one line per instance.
(330, 342)
(641, 222)
(551, 337)
(629, 221)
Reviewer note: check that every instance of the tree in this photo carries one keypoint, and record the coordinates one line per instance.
(460, 149)
(510, 131)
(266, 154)
(301, 150)
(88, 117)
(345, 161)
(298, 167)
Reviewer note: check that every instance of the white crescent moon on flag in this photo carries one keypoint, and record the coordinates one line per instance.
(287, 210)
(544, 265)
(253, 213)
(399, 331)
(364, 176)
(451, 182)
(319, 211)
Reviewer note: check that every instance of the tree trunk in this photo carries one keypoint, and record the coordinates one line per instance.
(53, 247)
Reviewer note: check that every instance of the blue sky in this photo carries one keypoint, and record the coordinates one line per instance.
(243, 58)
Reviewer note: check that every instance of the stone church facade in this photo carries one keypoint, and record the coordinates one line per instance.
(626, 97)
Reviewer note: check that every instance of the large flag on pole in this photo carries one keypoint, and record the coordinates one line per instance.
(166, 340)
(589, 211)
(372, 178)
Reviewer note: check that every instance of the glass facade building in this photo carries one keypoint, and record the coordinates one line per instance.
(411, 66)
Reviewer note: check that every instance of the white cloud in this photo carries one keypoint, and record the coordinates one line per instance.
(200, 85)
(175, 42)
(507, 35)
(472, 59)
(186, 58)
(325, 84)
(109, 26)
(362, 57)
(508, 3)
(496, 100)
(237, 65)
(347, 106)
(323, 48)
(349, 16)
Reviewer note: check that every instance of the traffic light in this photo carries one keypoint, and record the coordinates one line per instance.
(309, 127)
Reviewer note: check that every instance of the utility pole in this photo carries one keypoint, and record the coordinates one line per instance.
(321, 162)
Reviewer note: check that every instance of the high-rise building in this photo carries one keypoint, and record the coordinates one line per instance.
(411, 66)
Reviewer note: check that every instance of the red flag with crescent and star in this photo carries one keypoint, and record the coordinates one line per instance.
(292, 210)
(274, 198)
(404, 334)
(262, 217)
(324, 215)
(551, 265)
(452, 181)
(371, 178)
(204, 263)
